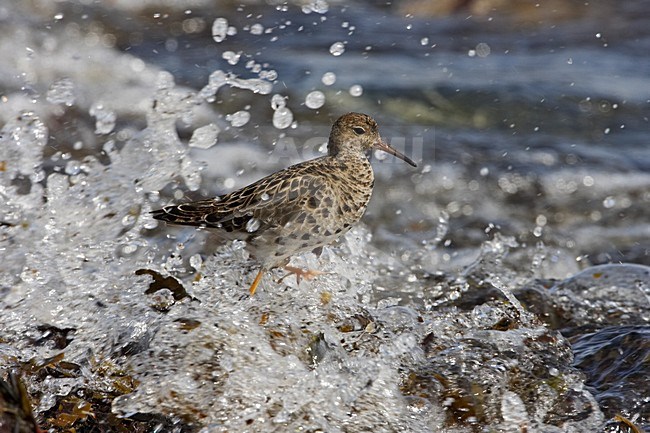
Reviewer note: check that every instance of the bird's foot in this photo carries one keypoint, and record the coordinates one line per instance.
(300, 273)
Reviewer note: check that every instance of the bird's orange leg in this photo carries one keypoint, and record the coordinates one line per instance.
(256, 282)
(300, 273)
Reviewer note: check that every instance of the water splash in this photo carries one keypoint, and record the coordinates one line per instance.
(61, 92)
(238, 119)
(205, 137)
(220, 78)
(106, 118)
(365, 344)
(21, 146)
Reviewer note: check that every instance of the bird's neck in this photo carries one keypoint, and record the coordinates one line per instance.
(349, 154)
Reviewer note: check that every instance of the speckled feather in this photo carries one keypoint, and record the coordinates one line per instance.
(300, 208)
(293, 210)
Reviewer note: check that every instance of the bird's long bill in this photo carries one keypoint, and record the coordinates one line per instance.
(382, 145)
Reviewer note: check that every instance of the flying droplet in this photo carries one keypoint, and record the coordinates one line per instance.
(105, 118)
(278, 101)
(252, 225)
(219, 29)
(315, 99)
(337, 48)
(239, 119)
(282, 118)
(609, 202)
(329, 78)
(196, 261)
(356, 90)
(205, 136)
(482, 49)
(231, 57)
(257, 29)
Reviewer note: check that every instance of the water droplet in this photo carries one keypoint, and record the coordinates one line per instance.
(278, 101)
(196, 261)
(239, 119)
(252, 225)
(257, 29)
(231, 57)
(282, 118)
(609, 202)
(424, 41)
(315, 99)
(270, 75)
(229, 182)
(205, 136)
(319, 6)
(128, 220)
(219, 29)
(356, 90)
(72, 167)
(329, 78)
(337, 48)
(255, 85)
(482, 49)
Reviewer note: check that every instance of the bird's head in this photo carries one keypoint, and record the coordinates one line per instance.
(357, 132)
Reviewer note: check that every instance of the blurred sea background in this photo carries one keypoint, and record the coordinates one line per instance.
(503, 285)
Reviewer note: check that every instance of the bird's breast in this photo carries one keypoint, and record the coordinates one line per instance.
(352, 186)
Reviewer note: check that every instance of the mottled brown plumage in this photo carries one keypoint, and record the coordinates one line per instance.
(300, 208)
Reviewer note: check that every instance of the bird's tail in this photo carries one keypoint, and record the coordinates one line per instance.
(193, 214)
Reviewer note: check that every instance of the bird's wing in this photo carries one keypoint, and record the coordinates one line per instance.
(273, 201)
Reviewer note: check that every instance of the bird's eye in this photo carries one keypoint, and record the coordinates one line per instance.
(359, 130)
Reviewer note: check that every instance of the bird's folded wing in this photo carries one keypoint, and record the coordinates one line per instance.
(273, 201)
